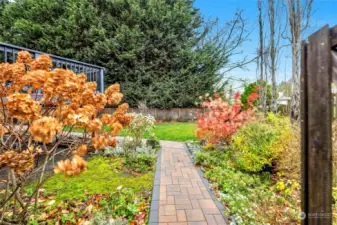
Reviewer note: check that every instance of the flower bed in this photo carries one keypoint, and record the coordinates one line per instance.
(246, 157)
(246, 177)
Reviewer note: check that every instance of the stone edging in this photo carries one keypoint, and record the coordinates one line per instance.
(208, 186)
(154, 210)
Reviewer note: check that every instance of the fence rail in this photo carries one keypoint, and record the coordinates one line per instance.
(8, 53)
(174, 114)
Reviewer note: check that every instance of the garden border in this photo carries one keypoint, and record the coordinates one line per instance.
(218, 203)
(154, 210)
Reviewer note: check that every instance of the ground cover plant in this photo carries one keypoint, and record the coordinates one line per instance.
(32, 134)
(251, 198)
(104, 193)
(94, 180)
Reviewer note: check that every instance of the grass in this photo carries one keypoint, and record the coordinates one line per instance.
(173, 131)
(103, 175)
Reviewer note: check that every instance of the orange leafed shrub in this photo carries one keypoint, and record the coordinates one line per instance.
(20, 162)
(115, 128)
(95, 125)
(23, 106)
(44, 129)
(100, 141)
(70, 168)
(24, 57)
(112, 142)
(120, 115)
(76, 101)
(114, 95)
(41, 123)
(3, 130)
(81, 150)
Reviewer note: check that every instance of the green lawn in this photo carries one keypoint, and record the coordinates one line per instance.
(171, 131)
(174, 131)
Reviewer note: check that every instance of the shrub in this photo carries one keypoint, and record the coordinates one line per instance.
(334, 154)
(140, 154)
(209, 147)
(256, 198)
(289, 162)
(221, 120)
(31, 131)
(136, 130)
(153, 143)
(123, 206)
(140, 163)
(250, 198)
(122, 203)
(211, 159)
(249, 89)
(254, 88)
(256, 145)
(118, 151)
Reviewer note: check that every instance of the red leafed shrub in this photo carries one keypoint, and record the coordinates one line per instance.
(221, 120)
(252, 98)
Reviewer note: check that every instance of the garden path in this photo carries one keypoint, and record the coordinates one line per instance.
(180, 195)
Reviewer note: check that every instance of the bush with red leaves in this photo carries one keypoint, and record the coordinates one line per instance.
(221, 120)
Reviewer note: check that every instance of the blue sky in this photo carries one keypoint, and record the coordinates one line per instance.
(324, 12)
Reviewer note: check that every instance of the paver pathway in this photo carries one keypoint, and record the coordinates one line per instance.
(183, 197)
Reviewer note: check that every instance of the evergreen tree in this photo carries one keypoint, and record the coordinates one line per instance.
(157, 50)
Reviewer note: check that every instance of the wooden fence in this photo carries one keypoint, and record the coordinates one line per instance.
(318, 73)
(175, 114)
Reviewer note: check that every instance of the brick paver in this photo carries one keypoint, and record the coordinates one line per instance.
(183, 198)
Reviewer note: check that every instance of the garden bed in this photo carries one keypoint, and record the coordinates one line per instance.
(112, 187)
(105, 192)
(248, 198)
(254, 175)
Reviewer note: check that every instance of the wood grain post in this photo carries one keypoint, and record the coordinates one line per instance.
(333, 35)
(316, 114)
(304, 130)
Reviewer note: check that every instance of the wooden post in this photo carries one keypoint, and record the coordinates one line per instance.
(316, 114)
(333, 34)
(304, 130)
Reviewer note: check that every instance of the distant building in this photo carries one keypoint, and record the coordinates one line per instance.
(282, 100)
(283, 103)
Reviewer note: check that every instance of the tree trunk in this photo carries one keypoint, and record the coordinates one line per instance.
(295, 100)
(262, 91)
(298, 18)
(272, 54)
